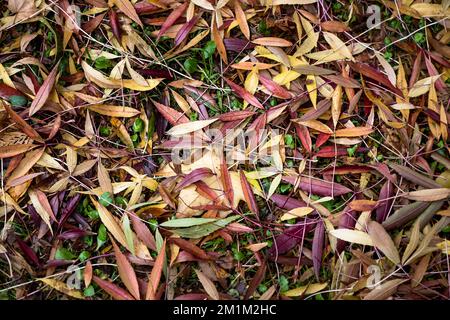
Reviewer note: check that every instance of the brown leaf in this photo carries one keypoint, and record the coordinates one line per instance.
(354, 132)
(191, 248)
(414, 176)
(143, 232)
(208, 285)
(127, 8)
(14, 150)
(87, 275)
(383, 241)
(256, 281)
(334, 26)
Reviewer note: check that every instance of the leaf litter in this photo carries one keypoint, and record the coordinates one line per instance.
(97, 99)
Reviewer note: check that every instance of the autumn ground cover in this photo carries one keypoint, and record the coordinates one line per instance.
(257, 149)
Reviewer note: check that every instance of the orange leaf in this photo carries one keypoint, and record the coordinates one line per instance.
(14, 150)
(272, 42)
(155, 275)
(354, 132)
(126, 271)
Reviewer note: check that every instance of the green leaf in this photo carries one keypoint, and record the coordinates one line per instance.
(186, 222)
(203, 230)
(128, 233)
(190, 65)
(351, 151)
(106, 199)
(18, 101)
(209, 49)
(284, 283)
(138, 125)
(64, 254)
(102, 236)
(84, 255)
(89, 291)
(102, 63)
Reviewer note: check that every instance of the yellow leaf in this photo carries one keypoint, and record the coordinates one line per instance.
(337, 45)
(422, 86)
(189, 127)
(353, 236)
(110, 223)
(204, 4)
(252, 80)
(311, 86)
(63, 288)
(316, 125)
(336, 104)
(114, 111)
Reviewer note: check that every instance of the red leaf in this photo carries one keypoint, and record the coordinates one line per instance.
(155, 275)
(256, 280)
(346, 221)
(290, 238)
(185, 29)
(225, 178)
(322, 138)
(174, 117)
(374, 74)
(44, 91)
(113, 290)
(192, 177)
(244, 94)
(115, 26)
(191, 248)
(126, 271)
(170, 20)
(235, 115)
(248, 194)
(142, 231)
(287, 203)
(277, 90)
(6, 92)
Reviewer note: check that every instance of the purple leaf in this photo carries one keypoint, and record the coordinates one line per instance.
(285, 202)
(192, 177)
(317, 247)
(386, 192)
(185, 29)
(291, 237)
(237, 45)
(29, 253)
(316, 186)
(347, 221)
